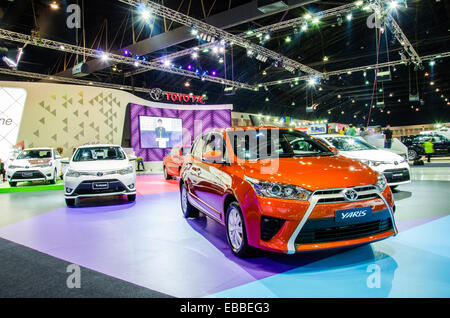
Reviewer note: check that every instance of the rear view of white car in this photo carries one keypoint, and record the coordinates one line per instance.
(99, 170)
(394, 167)
(36, 164)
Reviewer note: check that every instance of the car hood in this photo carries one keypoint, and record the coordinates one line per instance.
(29, 162)
(375, 154)
(99, 165)
(313, 173)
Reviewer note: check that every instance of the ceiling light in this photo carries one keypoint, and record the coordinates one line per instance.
(349, 17)
(54, 5)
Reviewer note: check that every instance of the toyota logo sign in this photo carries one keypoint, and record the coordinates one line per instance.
(350, 194)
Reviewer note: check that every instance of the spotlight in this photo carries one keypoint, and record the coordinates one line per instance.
(166, 62)
(54, 5)
(316, 20)
(287, 39)
(307, 16)
(194, 55)
(325, 58)
(189, 67)
(62, 47)
(432, 63)
(145, 14)
(187, 84)
(393, 5)
(349, 17)
(312, 81)
(267, 37)
(213, 73)
(304, 26)
(194, 31)
(104, 57)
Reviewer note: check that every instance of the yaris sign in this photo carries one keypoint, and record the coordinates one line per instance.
(159, 95)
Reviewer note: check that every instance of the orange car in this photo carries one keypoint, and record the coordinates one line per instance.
(173, 162)
(281, 190)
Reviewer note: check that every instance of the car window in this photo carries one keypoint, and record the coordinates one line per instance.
(35, 154)
(349, 144)
(199, 146)
(253, 144)
(185, 151)
(98, 153)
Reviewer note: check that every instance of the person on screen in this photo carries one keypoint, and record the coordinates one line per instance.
(160, 130)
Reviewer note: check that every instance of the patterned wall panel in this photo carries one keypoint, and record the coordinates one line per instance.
(194, 123)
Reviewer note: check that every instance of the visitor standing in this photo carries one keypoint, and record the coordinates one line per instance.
(388, 137)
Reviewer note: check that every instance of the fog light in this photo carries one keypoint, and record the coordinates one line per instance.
(131, 186)
(69, 190)
(270, 227)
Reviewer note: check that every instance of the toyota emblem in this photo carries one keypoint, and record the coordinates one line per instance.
(99, 174)
(350, 194)
(157, 94)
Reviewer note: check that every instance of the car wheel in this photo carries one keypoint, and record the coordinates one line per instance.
(70, 202)
(412, 154)
(53, 181)
(236, 232)
(13, 184)
(166, 174)
(131, 197)
(189, 211)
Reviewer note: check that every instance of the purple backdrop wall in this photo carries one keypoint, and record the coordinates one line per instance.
(210, 119)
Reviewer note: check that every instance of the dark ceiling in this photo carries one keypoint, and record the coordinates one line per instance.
(107, 25)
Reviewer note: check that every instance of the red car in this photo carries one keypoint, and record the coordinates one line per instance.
(174, 161)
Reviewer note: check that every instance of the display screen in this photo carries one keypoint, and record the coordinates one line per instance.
(160, 132)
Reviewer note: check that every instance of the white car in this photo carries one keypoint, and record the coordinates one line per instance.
(34, 164)
(394, 167)
(99, 170)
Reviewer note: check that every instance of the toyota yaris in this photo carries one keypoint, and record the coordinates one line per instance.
(99, 170)
(281, 190)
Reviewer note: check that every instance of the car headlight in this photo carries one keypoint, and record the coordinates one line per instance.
(381, 182)
(73, 174)
(128, 170)
(278, 190)
(374, 163)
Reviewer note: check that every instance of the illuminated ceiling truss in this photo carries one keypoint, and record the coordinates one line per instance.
(117, 58)
(262, 30)
(222, 35)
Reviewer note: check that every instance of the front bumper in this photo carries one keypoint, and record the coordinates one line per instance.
(310, 225)
(395, 174)
(92, 186)
(31, 174)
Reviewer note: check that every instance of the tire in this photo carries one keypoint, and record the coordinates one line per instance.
(70, 202)
(13, 184)
(236, 231)
(189, 211)
(131, 197)
(53, 181)
(166, 174)
(412, 154)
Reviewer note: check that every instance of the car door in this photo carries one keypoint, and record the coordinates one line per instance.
(440, 145)
(192, 169)
(213, 184)
(170, 164)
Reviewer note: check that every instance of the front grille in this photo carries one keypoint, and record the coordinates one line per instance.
(86, 187)
(34, 174)
(311, 235)
(336, 196)
(391, 175)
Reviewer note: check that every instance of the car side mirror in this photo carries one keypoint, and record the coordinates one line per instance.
(65, 161)
(132, 158)
(213, 157)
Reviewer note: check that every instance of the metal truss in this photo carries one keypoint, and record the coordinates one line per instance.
(382, 12)
(262, 30)
(218, 33)
(60, 79)
(117, 58)
(353, 69)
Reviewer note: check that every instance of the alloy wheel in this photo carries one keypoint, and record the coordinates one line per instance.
(235, 229)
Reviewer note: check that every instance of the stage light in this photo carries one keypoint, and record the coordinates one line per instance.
(349, 17)
(325, 58)
(221, 60)
(267, 37)
(249, 32)
(187, 84)
(62, 47)
(54, 5)
(432, 63)
(393, 5)
(312, 81)
(304, 26)
(194, 55)
(145, 14)
(166, 62)
(316, 20)
(213, 73)
(267, 99)
(427, 74)
(432, 83)
(359, 3)
(264, 73)
(189, 67)
(104, 57)
(215, 50)
(287, 39)
(222, 49)
(307, 16)
(194, 32)
(136, 64)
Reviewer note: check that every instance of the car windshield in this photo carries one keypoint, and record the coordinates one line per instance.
(98, 153)
(35, 154)
(349, 144)
(254, 144)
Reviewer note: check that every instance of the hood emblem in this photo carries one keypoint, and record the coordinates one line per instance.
(99, 174)
(395, 162)
(350, 194)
